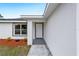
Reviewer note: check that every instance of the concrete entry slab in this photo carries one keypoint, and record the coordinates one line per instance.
(38, 50)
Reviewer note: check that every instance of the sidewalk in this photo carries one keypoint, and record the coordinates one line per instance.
(38, 50)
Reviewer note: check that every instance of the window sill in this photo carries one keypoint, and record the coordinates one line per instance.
(20, 35)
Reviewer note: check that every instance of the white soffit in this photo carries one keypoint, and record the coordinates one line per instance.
(50, 9)
(31, 16)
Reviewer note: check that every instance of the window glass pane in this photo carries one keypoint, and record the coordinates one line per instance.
(24, 26)
(17, 31)
(24, 32)
(20, 29)
(17, 26)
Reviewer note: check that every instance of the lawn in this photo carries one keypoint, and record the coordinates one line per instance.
(14, 51)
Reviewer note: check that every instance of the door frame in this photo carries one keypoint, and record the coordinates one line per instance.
(42, 29)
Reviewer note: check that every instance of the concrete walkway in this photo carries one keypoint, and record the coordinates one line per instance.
(38, 50)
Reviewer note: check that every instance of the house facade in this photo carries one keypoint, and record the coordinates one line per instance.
(22, 29)
(57, 27)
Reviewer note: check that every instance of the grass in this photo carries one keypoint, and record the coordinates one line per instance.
(14, 51)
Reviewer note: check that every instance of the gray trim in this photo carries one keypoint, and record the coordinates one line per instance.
(30, 15)
(50, 54)
(45, 9)
(12, 19)
(42, 29)
(22, 19)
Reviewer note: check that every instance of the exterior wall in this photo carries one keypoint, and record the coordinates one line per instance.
(60, 31)
(29, 32)
(77, 29)
(6, 31)
(45, 24)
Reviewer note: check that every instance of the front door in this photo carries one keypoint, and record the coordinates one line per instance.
(39, 30)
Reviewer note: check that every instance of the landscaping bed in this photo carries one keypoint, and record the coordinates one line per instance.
(13, 42)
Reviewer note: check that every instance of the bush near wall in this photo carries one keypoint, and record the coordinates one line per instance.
(13, 42)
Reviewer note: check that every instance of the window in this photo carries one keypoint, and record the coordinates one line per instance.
(20, 29)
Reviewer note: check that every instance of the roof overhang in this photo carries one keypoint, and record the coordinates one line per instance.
(50, 7)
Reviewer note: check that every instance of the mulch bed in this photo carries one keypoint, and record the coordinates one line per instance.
(13, 42)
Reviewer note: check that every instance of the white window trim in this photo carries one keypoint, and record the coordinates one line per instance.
(13, 29)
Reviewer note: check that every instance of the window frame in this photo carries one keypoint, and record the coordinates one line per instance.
(13, 29)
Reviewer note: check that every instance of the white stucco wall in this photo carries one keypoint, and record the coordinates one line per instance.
(77, 29)
(29, 32)
(6, 31)
(60, 31)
